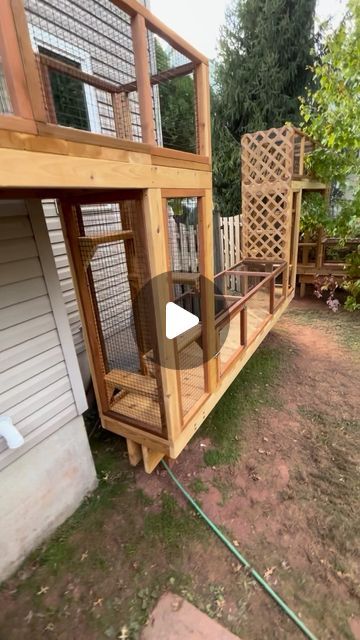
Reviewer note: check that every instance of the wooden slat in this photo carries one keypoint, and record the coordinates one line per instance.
(144, 385)
(163, 76)
(156, 235)
(33, 169)
(139, 37)
(202, 92)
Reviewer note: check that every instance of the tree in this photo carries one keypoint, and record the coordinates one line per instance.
(177, 106)
(264, 54)
(331, 115)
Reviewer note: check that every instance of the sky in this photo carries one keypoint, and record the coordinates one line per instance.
(198, 21)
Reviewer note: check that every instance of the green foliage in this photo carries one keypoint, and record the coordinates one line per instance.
(177, 106)
(352, 284)
(331, 114)
(264, 54)
(314, 213)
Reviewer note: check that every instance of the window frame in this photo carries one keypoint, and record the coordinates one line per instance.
(41, 38)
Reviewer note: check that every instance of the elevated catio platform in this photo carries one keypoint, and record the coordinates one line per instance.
(136, 211)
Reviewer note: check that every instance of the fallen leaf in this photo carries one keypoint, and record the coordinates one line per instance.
(42, 590)
(29, 616)
(84, 556)
(98, 602)
(269, 572)
(124, 633)
(235, 543)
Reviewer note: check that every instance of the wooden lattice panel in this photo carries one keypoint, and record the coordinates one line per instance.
(267, 156)
(266, 221)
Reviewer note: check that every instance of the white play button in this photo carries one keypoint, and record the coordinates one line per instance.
(178, 320)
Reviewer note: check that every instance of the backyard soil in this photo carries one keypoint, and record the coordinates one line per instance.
(288, 499)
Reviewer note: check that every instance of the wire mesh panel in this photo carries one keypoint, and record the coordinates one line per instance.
(173, 87)
(5, 102)
(86, 64)
(114, 257)
(183, 239)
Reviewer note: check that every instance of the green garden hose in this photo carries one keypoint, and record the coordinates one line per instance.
(289, 612)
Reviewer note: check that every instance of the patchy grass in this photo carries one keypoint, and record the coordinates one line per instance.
(342, 325)
(105, 568)
(253, 388)
(198, 486)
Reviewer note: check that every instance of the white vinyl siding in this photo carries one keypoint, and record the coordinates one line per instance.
(35, 386)
(56, 236)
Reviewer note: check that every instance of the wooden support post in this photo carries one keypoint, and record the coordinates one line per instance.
(151, 458)
(243, 326)
(207, 290)
(158, 264)
(319, 249)
(122, 115)
(295, 237)
(134, 452)
(272, 295)
(68, 219)
(142, 68)
(202, 93)
(12, 63)
(302, 156)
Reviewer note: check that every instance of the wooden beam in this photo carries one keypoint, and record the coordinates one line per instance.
(34, 169)
(202, 92)
(158, 265)
(206, 259)
(69, 224)
(142, 68)
(163, 76)
(134, 8)
(12, 63)
(295, 236)
(78, 74)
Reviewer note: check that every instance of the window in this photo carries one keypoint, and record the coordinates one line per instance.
(68, 95)
(75, 103)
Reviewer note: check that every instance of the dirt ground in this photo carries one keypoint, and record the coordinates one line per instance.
(276, 466)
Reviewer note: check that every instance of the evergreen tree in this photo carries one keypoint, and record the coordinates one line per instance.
(177, 106)
(264, 54)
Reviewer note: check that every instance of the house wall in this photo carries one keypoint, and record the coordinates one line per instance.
(40, 389)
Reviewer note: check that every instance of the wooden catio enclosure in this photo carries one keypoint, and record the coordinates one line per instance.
(136, 210)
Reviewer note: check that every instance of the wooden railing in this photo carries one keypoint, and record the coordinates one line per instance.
(28, 86)
(238, 306)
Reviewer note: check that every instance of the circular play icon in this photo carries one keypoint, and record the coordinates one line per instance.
(168, 320)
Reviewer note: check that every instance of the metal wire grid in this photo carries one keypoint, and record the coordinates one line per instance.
(184, 264)
(173, 95)
(85, 55)
(115, 271)
(5, 102)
